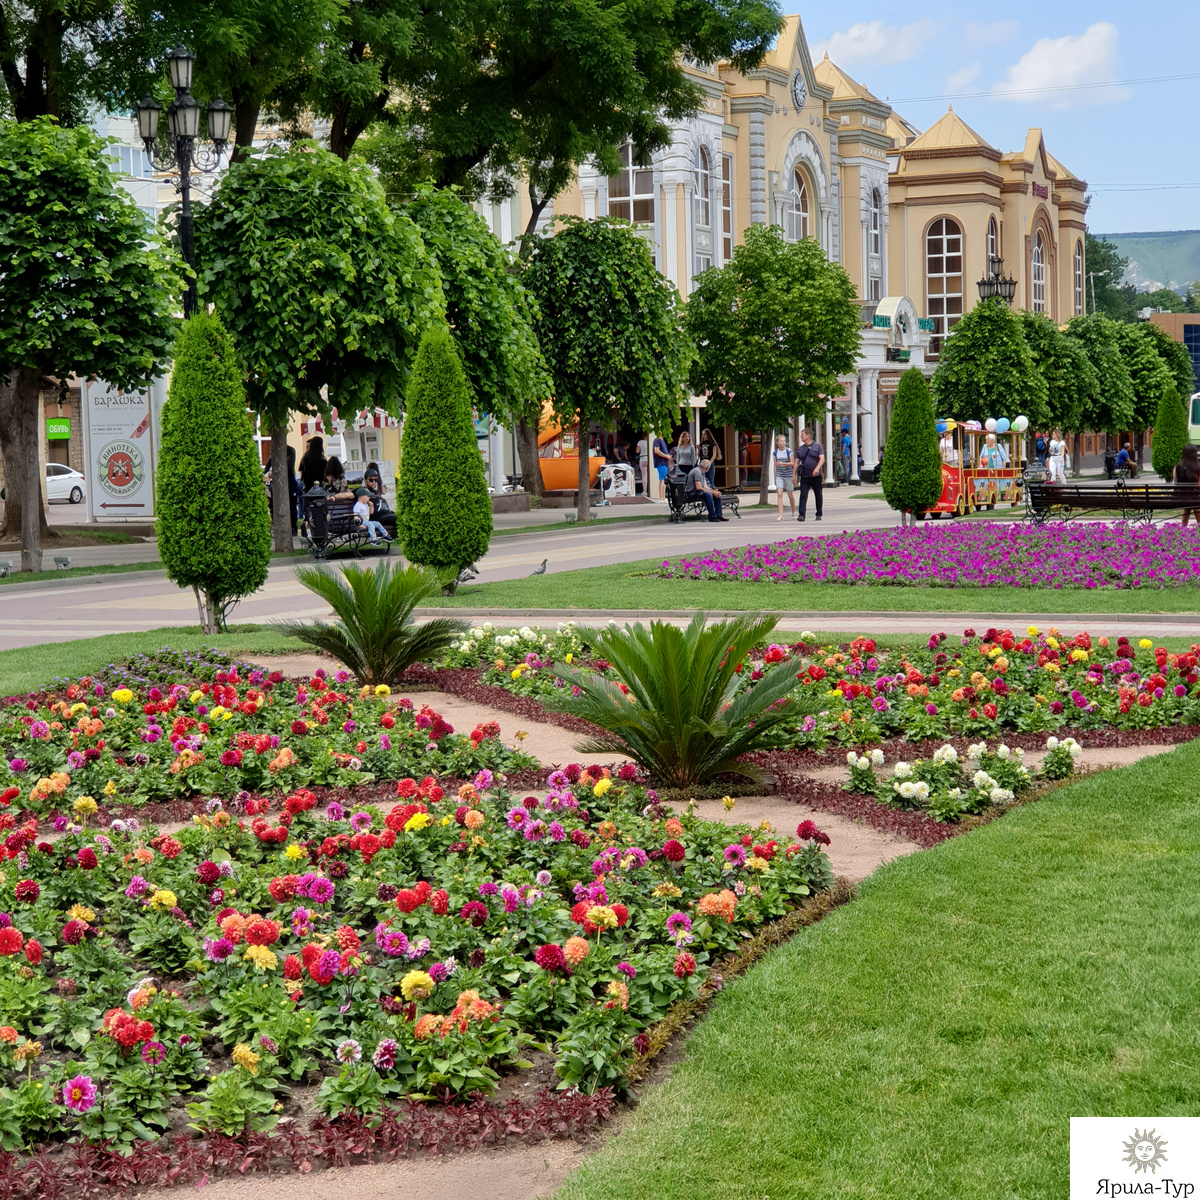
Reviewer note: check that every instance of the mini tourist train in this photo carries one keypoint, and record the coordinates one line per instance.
(982, 465)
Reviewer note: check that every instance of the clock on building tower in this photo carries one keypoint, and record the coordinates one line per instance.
(799, 91)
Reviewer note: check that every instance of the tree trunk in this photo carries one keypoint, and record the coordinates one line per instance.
(31, 485)
(583, 511)
(245, 124)
(764, 455)
(19, 395)
(281, 491)
(527, 454)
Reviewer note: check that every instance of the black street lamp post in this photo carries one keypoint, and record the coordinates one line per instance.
(185, 157)
(995, 284)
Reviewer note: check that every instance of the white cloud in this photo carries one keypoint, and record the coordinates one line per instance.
(977, 34)
(1089, 58)
(959, 80)
(876, 42)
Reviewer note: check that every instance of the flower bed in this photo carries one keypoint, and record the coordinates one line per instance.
(416, 948)
(1002, 682)
(976, 554)
(243, 730)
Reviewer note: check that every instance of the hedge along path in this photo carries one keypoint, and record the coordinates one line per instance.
(932, 1039)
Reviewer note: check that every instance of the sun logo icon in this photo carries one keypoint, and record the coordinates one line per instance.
(1145, 1151)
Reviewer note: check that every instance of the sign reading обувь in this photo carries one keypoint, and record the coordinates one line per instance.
(1135, 1156)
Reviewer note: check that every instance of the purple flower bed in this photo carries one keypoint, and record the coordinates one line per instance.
(980, 554)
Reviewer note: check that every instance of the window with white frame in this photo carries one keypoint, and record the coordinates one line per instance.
(795, 224)
(875, 265)
(1078, 278)
(993, 239)
(943, 278)
(726, 207)
(131, 161)
(631, 190)
(703, 187)
(1039, 274)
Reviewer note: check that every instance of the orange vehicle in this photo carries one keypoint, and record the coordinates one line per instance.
(558, 455)
(975, 474)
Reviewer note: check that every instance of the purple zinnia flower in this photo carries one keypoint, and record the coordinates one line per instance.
(334, 811)
(137, 887)
(218, 949)
(384, 1057)
(735, 853)
(678, 923)
(360, 821)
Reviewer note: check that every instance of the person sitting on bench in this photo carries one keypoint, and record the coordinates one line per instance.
(1125, 460)
(697, 483)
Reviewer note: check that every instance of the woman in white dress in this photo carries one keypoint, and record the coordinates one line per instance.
(1057, 459)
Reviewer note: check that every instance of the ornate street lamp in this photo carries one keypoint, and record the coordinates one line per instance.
(186, 155)
(996, 285)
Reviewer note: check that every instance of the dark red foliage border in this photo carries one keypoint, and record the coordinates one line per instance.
(81, 1169)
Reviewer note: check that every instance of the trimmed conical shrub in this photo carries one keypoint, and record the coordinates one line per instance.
(1170, 433)
(912, 464)
(443, 511)
(214, 531)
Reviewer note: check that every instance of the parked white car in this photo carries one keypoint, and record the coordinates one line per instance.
(63, 483)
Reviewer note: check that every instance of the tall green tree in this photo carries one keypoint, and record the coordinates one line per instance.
(86, 287)
(491, 313)
(1112, 407)
(611, 327)
(912, 467)
(774, 327)
(1148, 373)
(443, 510)
(1170, 433)
(214, 531)
(986, 369)
(481, 90)
(322, 286)
(1175, 355)
(61, 59)
(1105, 290)
(1072, 385)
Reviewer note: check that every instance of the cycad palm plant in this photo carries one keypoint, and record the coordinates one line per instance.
(376, 637)
(689, 715)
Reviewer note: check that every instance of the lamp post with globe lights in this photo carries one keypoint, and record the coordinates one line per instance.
(187, 154)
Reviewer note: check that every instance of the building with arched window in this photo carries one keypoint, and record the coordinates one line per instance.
(912, 217)
(1024, 208)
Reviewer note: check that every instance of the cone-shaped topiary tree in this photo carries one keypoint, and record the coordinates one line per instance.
(214, 530)
(1170, 433)
(443, 511)
(912, 464)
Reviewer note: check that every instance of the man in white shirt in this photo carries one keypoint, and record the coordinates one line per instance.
(949, 449)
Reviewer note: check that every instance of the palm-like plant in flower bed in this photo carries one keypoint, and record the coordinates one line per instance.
(376, 637)
(678, 702)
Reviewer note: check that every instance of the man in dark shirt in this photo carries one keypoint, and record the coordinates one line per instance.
(810, 460)
(698, 483)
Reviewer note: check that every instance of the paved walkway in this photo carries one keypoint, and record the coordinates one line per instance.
(60, 610)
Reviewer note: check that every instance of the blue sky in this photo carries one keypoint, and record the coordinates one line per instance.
(1134, 143)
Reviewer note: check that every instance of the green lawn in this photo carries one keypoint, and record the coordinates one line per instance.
(32, 667)
(627, 586)
(931, 1039)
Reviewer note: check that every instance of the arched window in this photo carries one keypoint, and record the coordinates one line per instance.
(796, 217)
(1039, 274)
(703, 187)
(943, 278)
(1078, 274)
(631, 190)
(993, 239)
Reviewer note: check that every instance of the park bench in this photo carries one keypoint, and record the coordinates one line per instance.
(343, 532)
(684, 504)
(1137, 502)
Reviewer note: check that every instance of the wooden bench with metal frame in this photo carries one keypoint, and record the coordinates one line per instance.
(1136, 502)
(684, 504)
